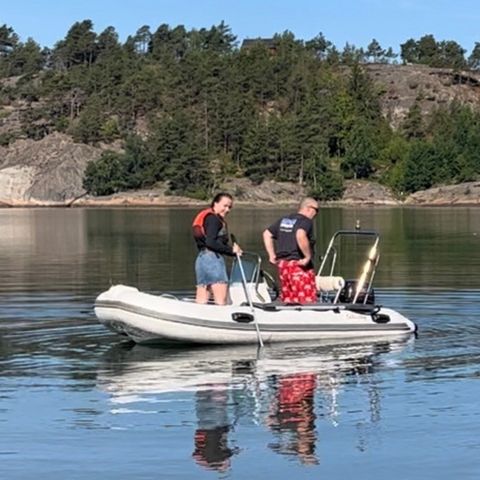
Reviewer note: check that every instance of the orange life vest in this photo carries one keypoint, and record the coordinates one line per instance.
(197, 225)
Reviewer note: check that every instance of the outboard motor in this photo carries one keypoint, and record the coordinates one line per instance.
(347, 294)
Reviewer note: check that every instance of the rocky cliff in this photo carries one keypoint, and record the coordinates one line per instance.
(47, 172)
(403, 85)
(463, 194)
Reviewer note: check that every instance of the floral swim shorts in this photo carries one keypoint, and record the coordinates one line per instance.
(297, 283)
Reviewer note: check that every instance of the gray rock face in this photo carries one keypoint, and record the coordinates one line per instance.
(47, 171)
(364, 192)
(403, 85)
(269, 192)
(462, 194)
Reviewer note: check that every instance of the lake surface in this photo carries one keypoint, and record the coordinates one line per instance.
(78, 402)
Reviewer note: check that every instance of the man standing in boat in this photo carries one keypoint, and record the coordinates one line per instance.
(289, 244)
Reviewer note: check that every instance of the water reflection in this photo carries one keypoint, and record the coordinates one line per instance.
(82, 251)
(290, 390)
(230, 410)
(211, 449)
(292, 417)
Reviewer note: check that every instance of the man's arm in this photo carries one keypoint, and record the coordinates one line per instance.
(304, 246)
(269, 246)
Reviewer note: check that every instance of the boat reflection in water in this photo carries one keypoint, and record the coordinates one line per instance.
(280, 387)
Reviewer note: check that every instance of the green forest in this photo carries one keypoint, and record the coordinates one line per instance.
(196, 107)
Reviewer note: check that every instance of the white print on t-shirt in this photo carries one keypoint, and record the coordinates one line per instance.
(287, 224)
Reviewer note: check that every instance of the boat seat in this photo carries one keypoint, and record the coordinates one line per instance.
(237, 296)
(328, 284)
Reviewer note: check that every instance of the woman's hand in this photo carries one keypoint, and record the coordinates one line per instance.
(236, 249)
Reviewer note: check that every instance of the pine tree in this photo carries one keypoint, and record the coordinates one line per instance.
(375, 51)
(474, 58)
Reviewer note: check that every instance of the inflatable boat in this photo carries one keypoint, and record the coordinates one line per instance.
(346, 308)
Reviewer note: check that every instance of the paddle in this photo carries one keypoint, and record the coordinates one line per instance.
(247, 293)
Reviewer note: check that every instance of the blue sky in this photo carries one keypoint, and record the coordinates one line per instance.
(391, 22)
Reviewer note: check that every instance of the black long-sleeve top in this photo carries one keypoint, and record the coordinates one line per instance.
(216, 236)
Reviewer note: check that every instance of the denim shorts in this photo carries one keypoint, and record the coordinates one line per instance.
(210, 268)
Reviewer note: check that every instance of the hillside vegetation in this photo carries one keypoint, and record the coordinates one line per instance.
(193, 108)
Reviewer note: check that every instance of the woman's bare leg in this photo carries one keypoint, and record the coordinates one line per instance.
(203, 294)
(220, 293)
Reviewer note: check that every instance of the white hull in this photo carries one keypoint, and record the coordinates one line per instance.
(146, 318)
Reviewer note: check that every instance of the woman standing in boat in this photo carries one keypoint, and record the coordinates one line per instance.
(211, 236)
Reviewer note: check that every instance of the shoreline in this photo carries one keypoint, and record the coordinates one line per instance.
(185, 202)
(271, 195)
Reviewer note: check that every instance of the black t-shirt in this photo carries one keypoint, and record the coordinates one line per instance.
(284, 232)
(216, 236)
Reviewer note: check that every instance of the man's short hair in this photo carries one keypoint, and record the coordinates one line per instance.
(306, 202)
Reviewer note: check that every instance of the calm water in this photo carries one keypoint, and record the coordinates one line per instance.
(77, 402)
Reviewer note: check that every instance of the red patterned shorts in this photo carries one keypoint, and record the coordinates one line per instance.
(297, 283)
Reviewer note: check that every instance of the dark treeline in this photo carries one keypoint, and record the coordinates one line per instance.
(192, 108)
